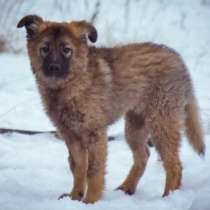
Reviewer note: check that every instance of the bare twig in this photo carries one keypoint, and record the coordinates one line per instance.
(96, 12)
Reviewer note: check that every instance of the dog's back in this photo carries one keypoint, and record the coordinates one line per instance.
(152, 86)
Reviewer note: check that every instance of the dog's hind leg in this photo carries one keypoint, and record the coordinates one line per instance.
(166, 135)
(136, 136)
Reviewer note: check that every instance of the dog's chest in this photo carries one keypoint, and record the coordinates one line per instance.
(65, 114)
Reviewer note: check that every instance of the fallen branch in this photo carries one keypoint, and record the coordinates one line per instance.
(32, 132)
(28, 132)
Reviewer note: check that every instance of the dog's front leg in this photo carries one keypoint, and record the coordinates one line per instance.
(78, 161)
(97, 151)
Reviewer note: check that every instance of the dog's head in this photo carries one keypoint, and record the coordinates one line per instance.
(58, 51)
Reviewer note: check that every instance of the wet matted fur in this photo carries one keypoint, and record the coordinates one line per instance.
(86, 88)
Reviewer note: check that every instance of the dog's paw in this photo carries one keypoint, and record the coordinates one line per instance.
(73, 195)
(64, 195)
(126, 189)
(92, 198)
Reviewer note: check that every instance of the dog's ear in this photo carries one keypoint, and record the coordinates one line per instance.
(83, 29)
(31, 23)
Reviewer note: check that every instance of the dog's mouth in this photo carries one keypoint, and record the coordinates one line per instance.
(55, 74)
(55, 70)
(53, 82)
(53, 79)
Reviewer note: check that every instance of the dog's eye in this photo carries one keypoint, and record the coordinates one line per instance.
(67, 51)
(44, 50)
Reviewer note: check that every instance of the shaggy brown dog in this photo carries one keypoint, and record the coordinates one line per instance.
(84, 89)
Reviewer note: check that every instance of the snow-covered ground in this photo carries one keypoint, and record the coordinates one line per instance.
(34, 172)
(34, 169)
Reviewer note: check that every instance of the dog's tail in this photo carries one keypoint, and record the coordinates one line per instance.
(193, 127)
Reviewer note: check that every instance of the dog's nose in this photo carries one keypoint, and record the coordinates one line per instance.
(54, 67)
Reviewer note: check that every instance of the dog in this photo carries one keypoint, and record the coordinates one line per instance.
(85, 88)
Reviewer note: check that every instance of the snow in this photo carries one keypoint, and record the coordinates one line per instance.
(34, 170)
